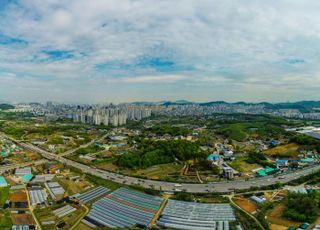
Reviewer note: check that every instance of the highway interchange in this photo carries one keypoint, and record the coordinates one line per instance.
(221, 187)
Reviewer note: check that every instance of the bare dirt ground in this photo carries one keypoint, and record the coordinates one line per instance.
(275, 217)
(22, 219)
(245, 204)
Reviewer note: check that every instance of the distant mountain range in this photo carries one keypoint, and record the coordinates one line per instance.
(303, 106)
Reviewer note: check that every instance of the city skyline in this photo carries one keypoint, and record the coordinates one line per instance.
(98, 51)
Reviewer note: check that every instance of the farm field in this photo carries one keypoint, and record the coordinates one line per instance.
(20, 219)
(245, 204)
(46, 214)
(73, 187)
(83, 226)
(159, 171)
(241, 165)
(275, 217)
(277, 227)
(288, 150)
(4, 192)
(72, 218)
(5, 220)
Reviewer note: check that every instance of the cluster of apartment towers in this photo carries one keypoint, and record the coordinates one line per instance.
(110, 116)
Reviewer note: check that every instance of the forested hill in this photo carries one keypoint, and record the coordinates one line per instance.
(5, 106)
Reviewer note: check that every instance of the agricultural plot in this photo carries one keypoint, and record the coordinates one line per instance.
(241, 165)
(275, 217)
(22, 219)
(284, 151)
(92, 194)
(5, 220)
(192, 216)
(245, 204)
(67, 216)
(159, 172)
(124, 208)
(73, 187)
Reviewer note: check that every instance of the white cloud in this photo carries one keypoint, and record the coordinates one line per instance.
(216, 43)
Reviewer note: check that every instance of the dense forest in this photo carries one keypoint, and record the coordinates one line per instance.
(160, 152)
(303, 207)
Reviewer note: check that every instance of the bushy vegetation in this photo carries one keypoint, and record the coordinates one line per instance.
(303, 207)
(184, 196)
(258, 158)
(241, 126)
(90, 149)
(303, 139)
(234, 132)
(160, 152)
(262, 213)
(204, 164)
(14, 132)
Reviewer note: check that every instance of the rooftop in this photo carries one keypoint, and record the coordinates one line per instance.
(3, 182)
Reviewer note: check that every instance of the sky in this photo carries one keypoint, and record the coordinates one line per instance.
(154, 50)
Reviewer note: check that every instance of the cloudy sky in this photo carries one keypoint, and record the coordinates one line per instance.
(151, 50)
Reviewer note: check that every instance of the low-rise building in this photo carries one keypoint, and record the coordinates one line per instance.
(3, 182)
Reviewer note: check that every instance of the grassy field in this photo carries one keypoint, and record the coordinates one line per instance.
(158, 172)
(99, 181)
(45, 214)
(72, 218)
(277, 227)
(73, 187)
(83, 226)
(235, 132)
(5, 220)
(4, 192)
(289, 150)
(241, 165)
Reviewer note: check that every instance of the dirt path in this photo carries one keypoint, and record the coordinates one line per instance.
(79, 220)
(157, 215)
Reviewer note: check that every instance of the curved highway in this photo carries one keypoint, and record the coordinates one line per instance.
(221, 187)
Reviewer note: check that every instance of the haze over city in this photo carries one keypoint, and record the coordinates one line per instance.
(123, 51)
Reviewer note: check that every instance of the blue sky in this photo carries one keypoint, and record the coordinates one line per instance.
(132, 50)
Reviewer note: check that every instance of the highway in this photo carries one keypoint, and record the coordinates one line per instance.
(221, 187)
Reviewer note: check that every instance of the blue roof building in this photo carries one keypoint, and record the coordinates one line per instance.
(307, 160)
(282, 163)
(3, 182)
(274, 142)
(27, 177)
(213, 157)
